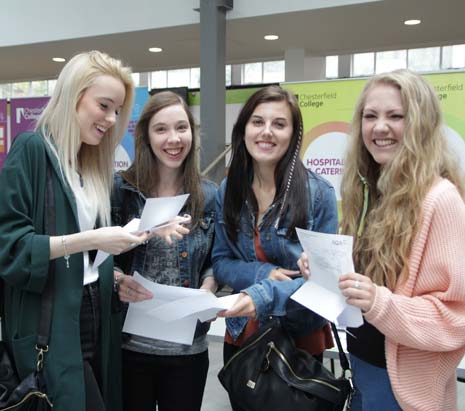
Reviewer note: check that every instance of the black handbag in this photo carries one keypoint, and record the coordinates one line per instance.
(270, 373)
(30, 394)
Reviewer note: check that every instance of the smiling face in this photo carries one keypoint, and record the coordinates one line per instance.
(170, 136)
(98, 108)
(268, 132)
(383, 122)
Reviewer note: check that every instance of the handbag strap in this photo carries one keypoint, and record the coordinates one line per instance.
(43, 334)
(342, 356)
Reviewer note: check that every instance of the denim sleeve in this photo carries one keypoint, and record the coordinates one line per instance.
(325, 218)
(229, 266)
(271, 297)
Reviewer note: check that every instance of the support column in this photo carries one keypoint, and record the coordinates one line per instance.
(343, 66)
(236, 74)
(315, 68)
(212, 82)
(294, 62)
(144, 79)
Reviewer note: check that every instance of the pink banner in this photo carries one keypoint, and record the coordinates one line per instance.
(24, 113)
(3, 129)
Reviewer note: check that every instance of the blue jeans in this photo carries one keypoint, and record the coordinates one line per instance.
(373, 388)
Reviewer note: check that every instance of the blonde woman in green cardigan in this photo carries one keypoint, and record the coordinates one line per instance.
(76, 136)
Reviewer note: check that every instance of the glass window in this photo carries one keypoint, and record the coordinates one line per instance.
(425, 59)
(453, 56)
(363, 64)
(136, 79)
(5, 90)
(51, 86)
(179, 78)
(332, 69)
(21, 89)
(390, 60)
(228, 74)
(158, 79)
(252, 73)
(273, 71)
(39, 88)
(195, 77)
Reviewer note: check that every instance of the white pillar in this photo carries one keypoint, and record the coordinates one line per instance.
(315, 68)
(343, 66)
(236, 74)
(294, 62)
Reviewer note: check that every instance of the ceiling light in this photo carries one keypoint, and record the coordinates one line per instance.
(155, 49)
(271, 37)
(58, 59)
(412, 22)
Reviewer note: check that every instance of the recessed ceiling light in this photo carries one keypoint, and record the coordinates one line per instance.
(271, 37)
(155, 49)
(412, 22)
(58, 59)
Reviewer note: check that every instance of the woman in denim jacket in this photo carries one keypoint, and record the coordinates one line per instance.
(165, 164)
(267, 194)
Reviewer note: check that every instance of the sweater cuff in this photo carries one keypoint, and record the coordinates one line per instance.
(380, 302)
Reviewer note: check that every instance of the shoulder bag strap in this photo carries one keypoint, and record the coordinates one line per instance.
(47, 295)
(342, 356)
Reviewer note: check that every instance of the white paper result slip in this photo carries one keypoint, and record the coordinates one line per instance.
(172, 313)
(156, 214)
(330, 256)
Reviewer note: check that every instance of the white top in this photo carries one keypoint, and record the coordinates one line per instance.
(87, 214)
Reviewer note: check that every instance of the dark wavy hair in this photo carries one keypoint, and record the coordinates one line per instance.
(143, 173)
(291, 181)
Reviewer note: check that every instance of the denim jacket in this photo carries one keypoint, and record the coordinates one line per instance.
(236, 263)
(194, 250)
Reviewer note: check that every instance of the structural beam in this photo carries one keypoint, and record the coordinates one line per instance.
(212, 82)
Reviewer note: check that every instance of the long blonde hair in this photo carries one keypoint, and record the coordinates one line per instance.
(60, 126)
(397, 190)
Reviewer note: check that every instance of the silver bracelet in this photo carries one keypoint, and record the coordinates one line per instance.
(66, 255)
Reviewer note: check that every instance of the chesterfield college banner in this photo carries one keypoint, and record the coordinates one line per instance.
(327, 108)
(25, 112)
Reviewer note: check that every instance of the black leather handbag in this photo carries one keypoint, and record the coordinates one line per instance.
(270, 373)
(30, 393)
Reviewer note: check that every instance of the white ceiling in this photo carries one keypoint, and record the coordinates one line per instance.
(337, 30)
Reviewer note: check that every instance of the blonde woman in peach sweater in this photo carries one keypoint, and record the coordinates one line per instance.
(403, 201)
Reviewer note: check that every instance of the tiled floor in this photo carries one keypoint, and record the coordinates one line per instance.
(215, 397)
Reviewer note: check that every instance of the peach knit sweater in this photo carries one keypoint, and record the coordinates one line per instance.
(424, 318)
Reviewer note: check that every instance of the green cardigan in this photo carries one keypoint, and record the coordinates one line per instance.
(24, 261)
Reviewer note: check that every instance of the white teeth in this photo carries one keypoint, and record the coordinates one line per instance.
(174, 152)
(101, 129)
(265, 144)
(384, 143)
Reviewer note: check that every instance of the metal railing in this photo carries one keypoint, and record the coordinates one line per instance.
(215, 162)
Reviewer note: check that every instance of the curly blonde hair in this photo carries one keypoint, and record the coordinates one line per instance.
(396, 190)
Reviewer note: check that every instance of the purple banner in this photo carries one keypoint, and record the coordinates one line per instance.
(24, 113)
(3, 129)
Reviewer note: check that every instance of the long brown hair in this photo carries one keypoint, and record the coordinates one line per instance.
(143, 173)
(396, 190)
(290, 174)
